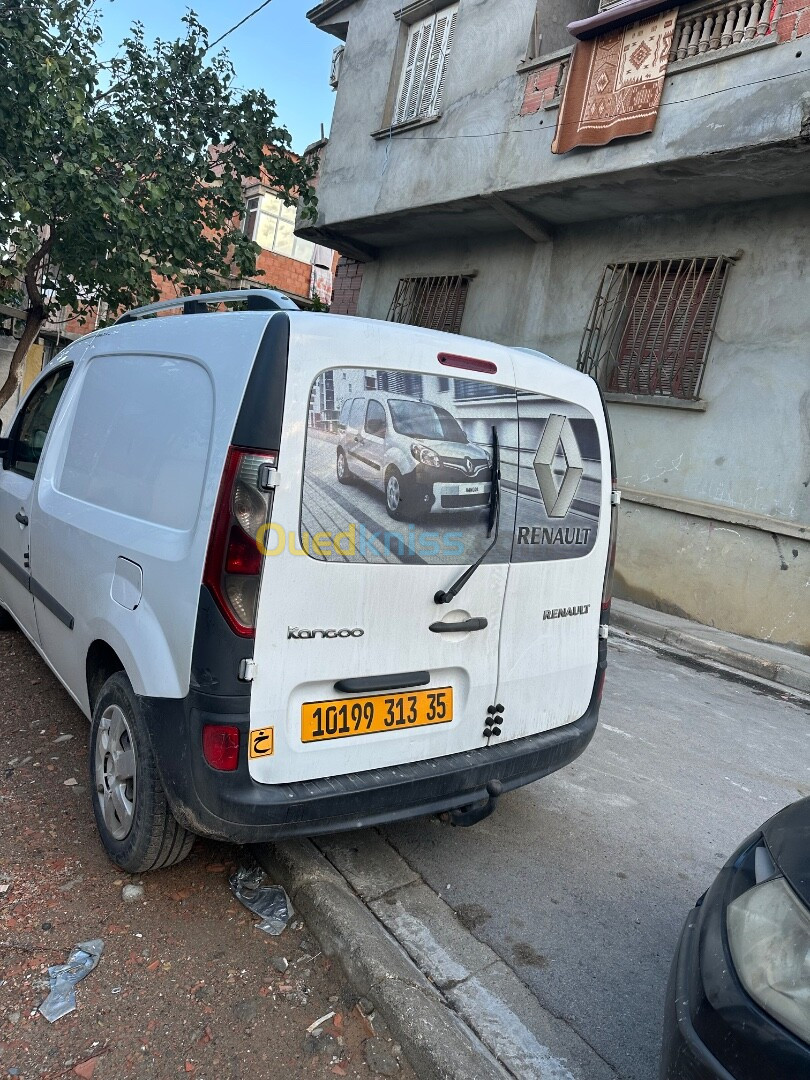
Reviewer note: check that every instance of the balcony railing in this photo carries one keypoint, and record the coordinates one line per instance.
(713, 26)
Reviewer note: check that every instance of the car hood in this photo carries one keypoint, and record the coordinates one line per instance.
(787, 835)
(455, 450)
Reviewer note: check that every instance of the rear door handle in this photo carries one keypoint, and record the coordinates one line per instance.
(22, 517)
(466, 627)
(375, 683)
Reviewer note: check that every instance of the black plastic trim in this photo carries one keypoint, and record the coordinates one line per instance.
(36, 590)
(15, 569)
(217, 652)
(51, 603)
(235, 808)
(258, 425)
(383, 682)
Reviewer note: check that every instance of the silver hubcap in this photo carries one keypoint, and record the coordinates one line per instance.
(115, 772)
(393, 494)
(341, 466)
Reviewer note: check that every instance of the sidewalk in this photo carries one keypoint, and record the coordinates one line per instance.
(759, 658)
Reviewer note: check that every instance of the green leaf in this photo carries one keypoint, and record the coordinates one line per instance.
(118, 158)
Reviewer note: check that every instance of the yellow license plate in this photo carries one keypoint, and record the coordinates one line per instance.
(347, 717)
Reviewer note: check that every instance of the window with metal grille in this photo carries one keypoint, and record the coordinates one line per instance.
(433, 302)
(651, 326)
(424, 69)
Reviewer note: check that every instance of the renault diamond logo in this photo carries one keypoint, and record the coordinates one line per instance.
(468, 465)
(558, 431)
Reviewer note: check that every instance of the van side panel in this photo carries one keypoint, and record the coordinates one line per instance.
(133, 472)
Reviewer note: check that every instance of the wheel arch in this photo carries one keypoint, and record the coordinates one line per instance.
(140, 650)
(101, 662)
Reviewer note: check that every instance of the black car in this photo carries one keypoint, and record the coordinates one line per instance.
(738, 1000)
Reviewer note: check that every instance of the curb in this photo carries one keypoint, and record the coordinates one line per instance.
(704, 649)
(438, 1045)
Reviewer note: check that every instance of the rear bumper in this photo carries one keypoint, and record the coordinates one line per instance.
(233, 807)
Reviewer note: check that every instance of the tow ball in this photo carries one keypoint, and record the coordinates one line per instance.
(464, 816)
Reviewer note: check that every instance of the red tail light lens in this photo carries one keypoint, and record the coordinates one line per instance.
(242, 555)
(221, 746)
(233, 564)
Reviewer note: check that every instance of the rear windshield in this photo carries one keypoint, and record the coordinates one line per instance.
(420, 420)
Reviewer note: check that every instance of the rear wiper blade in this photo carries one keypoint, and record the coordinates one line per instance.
(493, 525)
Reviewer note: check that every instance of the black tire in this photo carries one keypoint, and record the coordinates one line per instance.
(344, 474)
(6, 620)
(146, 836)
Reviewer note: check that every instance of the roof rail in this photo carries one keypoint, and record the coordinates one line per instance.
(256, 299)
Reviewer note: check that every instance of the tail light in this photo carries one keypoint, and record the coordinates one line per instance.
(233, 564)
(221, 746)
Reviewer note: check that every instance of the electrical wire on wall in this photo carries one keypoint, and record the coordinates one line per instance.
(387, 154)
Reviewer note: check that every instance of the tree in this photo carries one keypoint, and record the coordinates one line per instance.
(112, 173)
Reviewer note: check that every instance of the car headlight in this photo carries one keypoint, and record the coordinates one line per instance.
(425, 455)
(769, 936)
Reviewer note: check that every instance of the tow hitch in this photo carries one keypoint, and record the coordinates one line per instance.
(464, 816)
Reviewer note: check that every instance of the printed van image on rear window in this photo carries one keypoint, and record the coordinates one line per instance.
(399, 468)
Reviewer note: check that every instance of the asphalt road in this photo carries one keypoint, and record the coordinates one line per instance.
(581, 882)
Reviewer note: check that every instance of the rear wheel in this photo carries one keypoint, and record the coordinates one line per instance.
(342, 467)
(137, 828)
(6, 621)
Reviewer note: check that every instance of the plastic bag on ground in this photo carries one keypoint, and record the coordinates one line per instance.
(62, 998)
(269, 902)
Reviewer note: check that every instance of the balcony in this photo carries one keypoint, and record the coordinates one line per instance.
(733, 127)
(713, 28)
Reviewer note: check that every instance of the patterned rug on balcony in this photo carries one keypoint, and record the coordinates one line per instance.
(615, 84)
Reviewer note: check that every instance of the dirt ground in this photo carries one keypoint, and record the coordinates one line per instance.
(186, 984)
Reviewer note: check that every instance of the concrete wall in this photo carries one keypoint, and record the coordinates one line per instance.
(756, 98)
(745, 567)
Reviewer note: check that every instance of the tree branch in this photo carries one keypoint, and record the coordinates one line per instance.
(34, 318)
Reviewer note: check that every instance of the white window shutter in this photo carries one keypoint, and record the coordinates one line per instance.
(448, 45)
(423, 74)
(425, 32)
(413, 71)
(437, 62)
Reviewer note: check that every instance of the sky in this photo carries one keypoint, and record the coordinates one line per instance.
(277, 51)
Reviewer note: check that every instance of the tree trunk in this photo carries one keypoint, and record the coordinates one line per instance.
(34, 318)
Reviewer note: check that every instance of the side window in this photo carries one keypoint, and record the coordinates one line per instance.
(356, 415)
(375, 419)
(344, 414)
(33, 424)
(139, 440)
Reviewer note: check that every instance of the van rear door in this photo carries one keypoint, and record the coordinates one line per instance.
(551, 620)
(357, 666)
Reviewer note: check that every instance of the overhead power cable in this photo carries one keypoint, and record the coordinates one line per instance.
(240, 23)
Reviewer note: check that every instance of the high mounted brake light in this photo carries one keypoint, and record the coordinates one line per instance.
(233, 564)
(468, 363)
